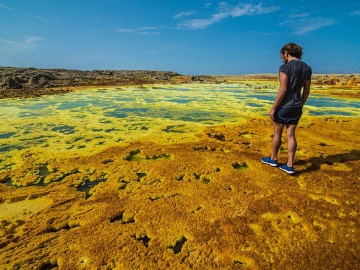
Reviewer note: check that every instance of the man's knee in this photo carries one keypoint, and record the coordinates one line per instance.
(290, 129)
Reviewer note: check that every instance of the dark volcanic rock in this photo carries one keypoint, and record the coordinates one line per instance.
(28, 82)
(40, 79)
(11, 83)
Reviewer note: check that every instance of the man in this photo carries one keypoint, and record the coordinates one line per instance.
(294, 75)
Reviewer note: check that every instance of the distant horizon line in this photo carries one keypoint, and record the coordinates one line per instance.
(194, 74)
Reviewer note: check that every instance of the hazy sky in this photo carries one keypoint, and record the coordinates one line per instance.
(186, 36)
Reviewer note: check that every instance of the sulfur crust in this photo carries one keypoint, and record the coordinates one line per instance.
(200, 201)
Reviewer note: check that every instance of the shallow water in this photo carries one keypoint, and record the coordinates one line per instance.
(87, 121)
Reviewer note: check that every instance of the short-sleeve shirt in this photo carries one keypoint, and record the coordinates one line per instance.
(298, 73)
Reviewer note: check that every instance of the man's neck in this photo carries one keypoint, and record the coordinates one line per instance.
(292, 58)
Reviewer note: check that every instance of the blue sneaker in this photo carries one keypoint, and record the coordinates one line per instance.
(286, 168)
(269, 161)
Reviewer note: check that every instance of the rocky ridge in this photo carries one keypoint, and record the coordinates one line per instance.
(28, 82)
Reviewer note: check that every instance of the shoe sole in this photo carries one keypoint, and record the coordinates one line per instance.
(273, 165)
(289, 172)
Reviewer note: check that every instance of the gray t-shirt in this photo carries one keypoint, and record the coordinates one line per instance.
(298, 72)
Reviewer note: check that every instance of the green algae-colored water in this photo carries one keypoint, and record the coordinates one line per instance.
(87, 121)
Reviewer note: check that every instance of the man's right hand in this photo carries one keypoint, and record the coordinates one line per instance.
(271, 113)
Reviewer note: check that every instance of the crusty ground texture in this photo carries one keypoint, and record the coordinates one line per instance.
(208, 203)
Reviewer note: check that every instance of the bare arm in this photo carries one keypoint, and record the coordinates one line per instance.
(281, 93)
(306, 92)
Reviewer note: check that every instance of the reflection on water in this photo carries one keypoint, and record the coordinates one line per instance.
(329, 112)
(175, 129)
(6, 148)
(64, 129)
(266, 97)
(7, 135)
(181, 101)
(332, 102)
(255, 105)
(88, 120)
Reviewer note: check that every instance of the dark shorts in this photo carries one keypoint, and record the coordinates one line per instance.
(288, 115)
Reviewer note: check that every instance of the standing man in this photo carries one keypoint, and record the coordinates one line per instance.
(294, 75)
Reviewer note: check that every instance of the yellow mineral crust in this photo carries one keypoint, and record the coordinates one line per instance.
(202, 203)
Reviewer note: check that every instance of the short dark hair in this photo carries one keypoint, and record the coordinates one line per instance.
(293, 49)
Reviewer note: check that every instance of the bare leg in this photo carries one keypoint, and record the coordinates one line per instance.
(291, 144)
(276, 143)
